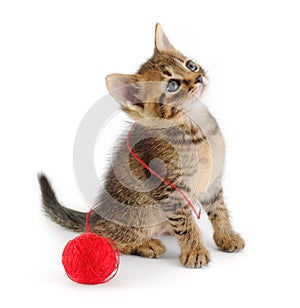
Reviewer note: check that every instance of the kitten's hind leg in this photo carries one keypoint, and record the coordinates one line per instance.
(129, 240)
(150, 248)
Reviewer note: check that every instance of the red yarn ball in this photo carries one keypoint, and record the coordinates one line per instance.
(91, 259)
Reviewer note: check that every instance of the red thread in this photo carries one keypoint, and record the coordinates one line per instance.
(87, 227)
(158, 176)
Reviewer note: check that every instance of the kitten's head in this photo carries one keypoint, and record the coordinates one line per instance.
(163, 85)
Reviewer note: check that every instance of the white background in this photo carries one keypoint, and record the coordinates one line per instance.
(54, 59)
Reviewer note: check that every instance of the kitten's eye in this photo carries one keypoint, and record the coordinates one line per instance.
(192, 66)
(173, 85)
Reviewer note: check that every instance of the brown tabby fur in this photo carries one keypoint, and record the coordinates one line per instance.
(133, 207)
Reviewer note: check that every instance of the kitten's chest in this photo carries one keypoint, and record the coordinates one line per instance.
(209, 154)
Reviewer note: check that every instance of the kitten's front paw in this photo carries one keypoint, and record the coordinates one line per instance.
(195, 258)
(229, 242)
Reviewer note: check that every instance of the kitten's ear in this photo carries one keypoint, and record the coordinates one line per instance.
(121, 87)
(162, 43)
(124, 89)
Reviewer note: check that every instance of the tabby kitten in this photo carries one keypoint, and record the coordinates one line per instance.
(178, 137)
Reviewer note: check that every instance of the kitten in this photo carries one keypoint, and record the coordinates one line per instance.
(178, 137)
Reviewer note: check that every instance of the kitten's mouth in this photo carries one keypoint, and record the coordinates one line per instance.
(200, 87)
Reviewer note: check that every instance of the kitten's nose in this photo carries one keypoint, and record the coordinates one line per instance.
(199, 79)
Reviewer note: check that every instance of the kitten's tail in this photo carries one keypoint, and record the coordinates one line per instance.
(65, 217)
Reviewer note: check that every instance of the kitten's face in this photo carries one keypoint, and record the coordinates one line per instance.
(162, 87)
